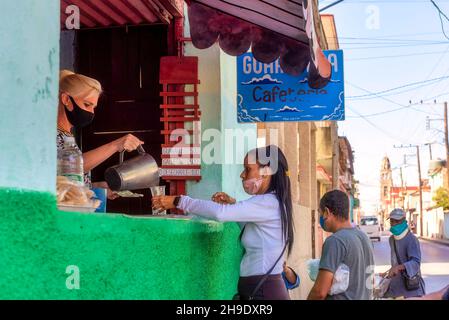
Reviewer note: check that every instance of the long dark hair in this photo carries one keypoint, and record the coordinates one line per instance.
(273, 157)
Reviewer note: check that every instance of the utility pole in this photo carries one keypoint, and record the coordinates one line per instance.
(419, 184)
(420, 193)
(430, 149)
(402, 189)
(447, 145)
(446, 137)
(406, 193)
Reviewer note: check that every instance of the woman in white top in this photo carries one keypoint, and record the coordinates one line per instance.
(266, 220)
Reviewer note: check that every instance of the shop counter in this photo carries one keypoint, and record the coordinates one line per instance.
(52, 254)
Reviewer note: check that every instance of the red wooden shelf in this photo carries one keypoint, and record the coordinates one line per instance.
(194, 178)
(180, 119)
(178, 74)
(179, 106)
(179, 94)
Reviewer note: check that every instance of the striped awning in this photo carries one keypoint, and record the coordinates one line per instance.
(273, 29)
(108, 13)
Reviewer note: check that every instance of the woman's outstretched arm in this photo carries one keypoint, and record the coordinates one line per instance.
(258, 208)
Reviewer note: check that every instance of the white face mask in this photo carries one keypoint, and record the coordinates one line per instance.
(252, 186)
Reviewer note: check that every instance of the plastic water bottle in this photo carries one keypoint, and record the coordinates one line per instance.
(70, 162)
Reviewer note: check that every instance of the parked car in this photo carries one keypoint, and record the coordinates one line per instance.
(370, 225)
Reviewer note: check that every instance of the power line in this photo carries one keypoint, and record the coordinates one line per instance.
(434, 68)
(398, 56)
(390, 111)
(439, 10)
(394, 42)
(396, 46)
(438, 62)
(444, 89)
(388, 1)
(440, 14)
(375, 96)
(389, 39)
(410, 106)
(442, 27)
(330, 5)
(382, 113)
(396, 88)
(383, 98)
(389, 135)
(403, 35)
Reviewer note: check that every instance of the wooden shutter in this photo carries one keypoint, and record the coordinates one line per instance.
(181, 161)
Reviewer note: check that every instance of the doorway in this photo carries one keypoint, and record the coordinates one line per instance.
(126, 62)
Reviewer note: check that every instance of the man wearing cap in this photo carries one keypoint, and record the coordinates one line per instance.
(405, 259)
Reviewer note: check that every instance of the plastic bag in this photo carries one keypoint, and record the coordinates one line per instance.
(340, 282)
(381, 286)
(70, 193)
(313, 266)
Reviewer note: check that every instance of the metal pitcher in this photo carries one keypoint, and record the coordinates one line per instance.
(141, 172)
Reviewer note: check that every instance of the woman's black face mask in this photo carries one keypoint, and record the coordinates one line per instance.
(78, 117)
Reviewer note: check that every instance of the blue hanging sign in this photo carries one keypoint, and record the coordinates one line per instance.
(266, 94)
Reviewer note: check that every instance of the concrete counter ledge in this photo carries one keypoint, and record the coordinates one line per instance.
(51, 254)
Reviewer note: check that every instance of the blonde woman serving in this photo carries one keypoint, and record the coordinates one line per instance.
(78, 98)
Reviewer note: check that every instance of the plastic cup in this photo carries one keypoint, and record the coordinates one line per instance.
(101, 194)
(158, 191)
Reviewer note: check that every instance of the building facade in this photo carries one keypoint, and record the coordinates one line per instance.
(436, 217)
(66, 255)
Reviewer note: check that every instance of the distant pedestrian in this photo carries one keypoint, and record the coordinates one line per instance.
(413, 227)
(347, 246)
(405, 273)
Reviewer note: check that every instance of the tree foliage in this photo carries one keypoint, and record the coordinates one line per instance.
(441, 198)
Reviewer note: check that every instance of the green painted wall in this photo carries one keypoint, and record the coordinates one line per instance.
(29, 65)
(118, 257)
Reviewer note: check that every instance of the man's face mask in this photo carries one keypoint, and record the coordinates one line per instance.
(399, 228)
(323, 221)
(78, 117)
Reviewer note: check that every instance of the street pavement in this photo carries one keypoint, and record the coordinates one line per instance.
(434, 264)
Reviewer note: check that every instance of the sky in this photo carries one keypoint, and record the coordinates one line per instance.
(389, 44)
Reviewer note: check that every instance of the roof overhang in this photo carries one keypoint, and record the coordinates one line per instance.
(281, 29)
(112, 13)
(330, 30)
(322, 176)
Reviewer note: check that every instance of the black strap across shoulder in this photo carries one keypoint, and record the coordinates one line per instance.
(396, 251)
(261, 282)
(264, 278)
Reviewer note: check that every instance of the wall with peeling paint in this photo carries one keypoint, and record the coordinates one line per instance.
(29, 66)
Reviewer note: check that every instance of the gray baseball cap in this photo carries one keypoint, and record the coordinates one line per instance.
(397, 214)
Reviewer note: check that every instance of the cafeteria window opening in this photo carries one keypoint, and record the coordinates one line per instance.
(126, 61)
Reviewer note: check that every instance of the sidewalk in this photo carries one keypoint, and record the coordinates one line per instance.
(439, 241)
